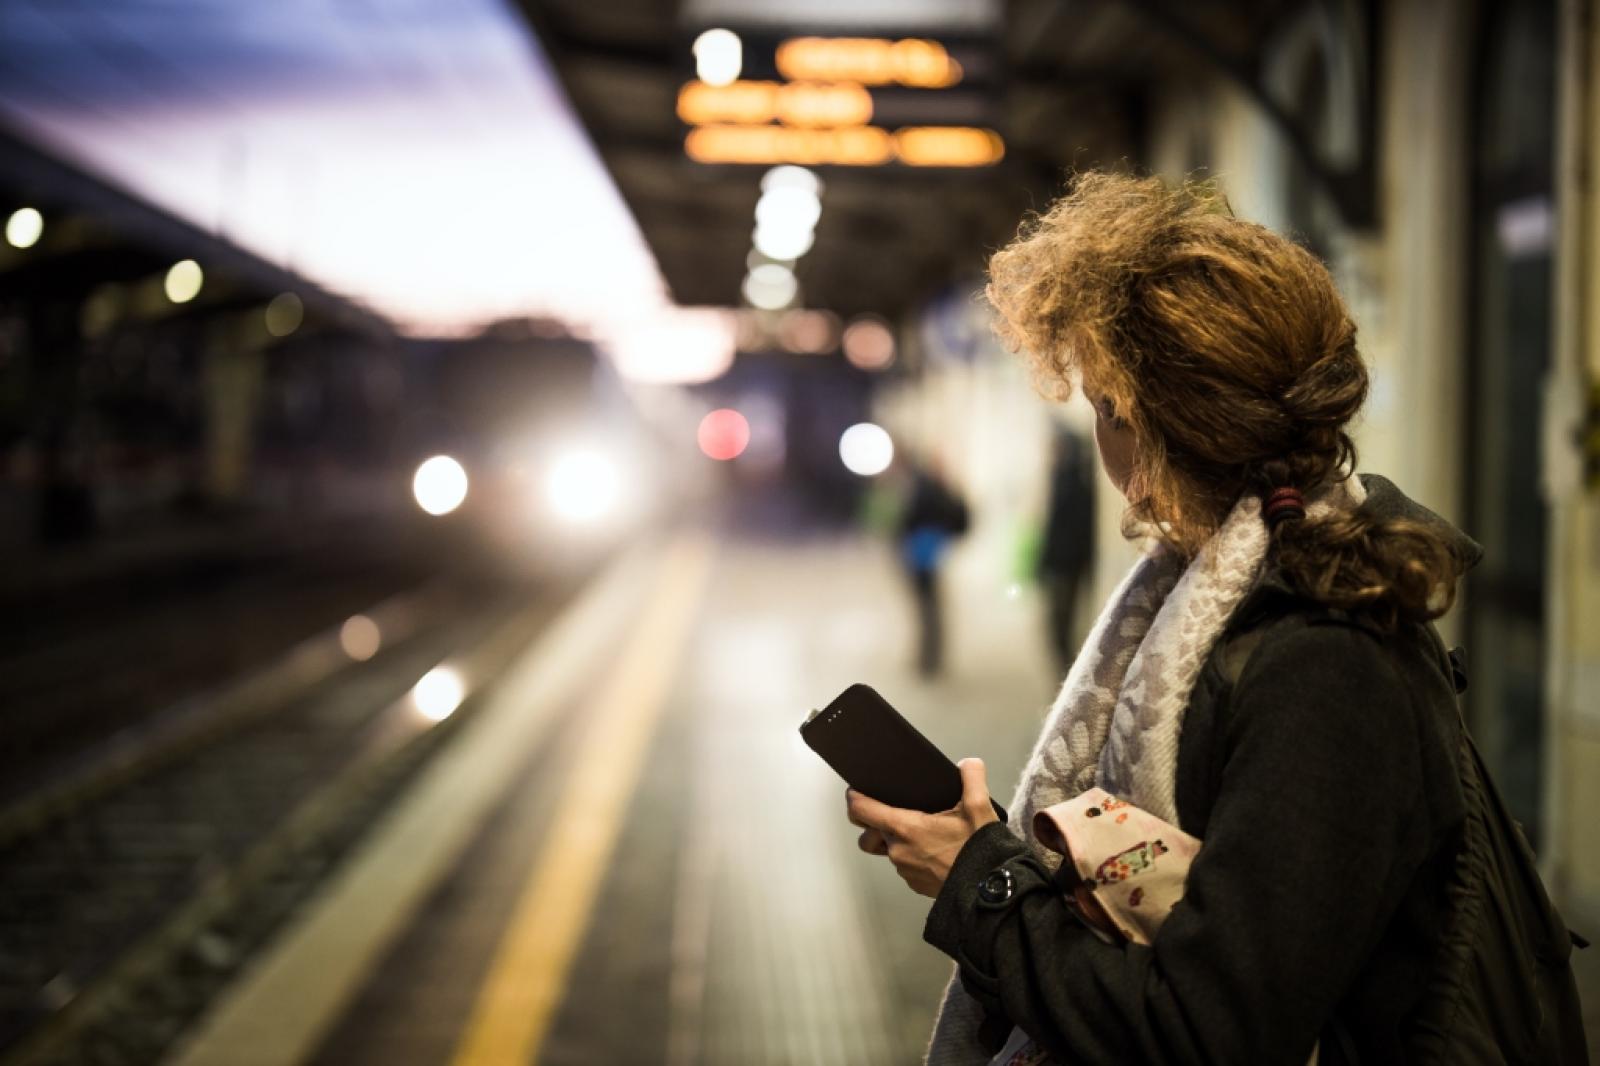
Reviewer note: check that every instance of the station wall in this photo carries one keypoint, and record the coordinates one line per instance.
(1572, 786)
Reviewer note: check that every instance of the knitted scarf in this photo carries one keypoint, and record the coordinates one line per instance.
(1118, 718)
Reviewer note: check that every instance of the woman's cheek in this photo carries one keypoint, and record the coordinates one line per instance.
(1116, 452)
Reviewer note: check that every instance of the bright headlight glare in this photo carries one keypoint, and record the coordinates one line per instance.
(440, 485)
(584, 486)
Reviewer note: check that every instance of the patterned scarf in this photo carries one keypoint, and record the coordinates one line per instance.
(1118, 718)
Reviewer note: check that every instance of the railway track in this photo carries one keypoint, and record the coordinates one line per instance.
(132, 891)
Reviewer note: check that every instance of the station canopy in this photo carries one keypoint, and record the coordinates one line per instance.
(449, 163)
(921, 176)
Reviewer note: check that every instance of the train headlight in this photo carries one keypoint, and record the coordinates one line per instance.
(584, 486)
(440, 485)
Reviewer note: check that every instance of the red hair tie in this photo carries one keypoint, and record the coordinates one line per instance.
(1284, 503)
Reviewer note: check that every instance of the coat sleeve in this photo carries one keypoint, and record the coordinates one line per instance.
(1308, 850)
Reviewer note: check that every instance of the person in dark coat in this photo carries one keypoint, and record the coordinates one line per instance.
(1266, 679)
(934, 515)
(1067, 549)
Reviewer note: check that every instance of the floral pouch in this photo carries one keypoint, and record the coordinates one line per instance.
(1123, 870)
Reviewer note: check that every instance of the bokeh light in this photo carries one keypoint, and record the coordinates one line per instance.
(24, 227)
(783, 244)
(183, 281)
(866, 449)
(869, 343)
(948, 146)
(438, 693)
(360, 637)
(770, 287)
(724, 434)
(440, 485)
(808, 332)
(786, 215)
(284, 314)
(584, 486)
(681, 345)
(786, 208)
(791, 177)
(718, 57)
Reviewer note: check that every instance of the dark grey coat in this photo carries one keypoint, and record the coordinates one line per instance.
(1320, 773)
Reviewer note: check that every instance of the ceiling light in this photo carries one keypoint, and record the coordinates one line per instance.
(770, 287)
(718, 56)
(784, 245)
(788, 209)
(757, 258)
(791, 178)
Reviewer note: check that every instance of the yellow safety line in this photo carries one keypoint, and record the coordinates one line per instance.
(524, 986)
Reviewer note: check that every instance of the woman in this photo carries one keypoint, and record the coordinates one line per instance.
(1265, 677)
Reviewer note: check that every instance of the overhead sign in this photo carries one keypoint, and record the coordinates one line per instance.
(913, 62)
(756, 102)
(917, 146)
(822, 107)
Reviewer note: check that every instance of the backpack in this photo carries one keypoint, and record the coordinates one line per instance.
(1502, 991)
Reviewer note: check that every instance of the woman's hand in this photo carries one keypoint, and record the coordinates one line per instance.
(923, 847)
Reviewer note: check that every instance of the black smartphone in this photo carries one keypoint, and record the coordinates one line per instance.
(880, 754)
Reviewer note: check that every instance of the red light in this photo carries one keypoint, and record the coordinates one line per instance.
(724, 433)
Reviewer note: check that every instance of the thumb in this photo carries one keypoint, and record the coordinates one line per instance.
(974, 787)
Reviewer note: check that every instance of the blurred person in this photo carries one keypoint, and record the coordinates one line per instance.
(934, 515)
(1067, 551)
(1266, 682)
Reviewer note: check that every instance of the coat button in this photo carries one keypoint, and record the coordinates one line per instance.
(997, 887)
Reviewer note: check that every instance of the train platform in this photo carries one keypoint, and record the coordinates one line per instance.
(628, 855)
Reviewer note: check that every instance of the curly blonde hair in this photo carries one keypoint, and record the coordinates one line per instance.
(1229, 353)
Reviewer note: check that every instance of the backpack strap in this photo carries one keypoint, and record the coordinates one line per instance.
(1236, 647)
(1458, 668)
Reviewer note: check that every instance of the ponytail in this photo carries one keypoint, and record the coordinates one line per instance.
(1390, 569)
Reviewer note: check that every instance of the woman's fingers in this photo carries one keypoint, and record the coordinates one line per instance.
(922, 846)
(871, 841)
(869, 813)
(850, 809)
(975, 801)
